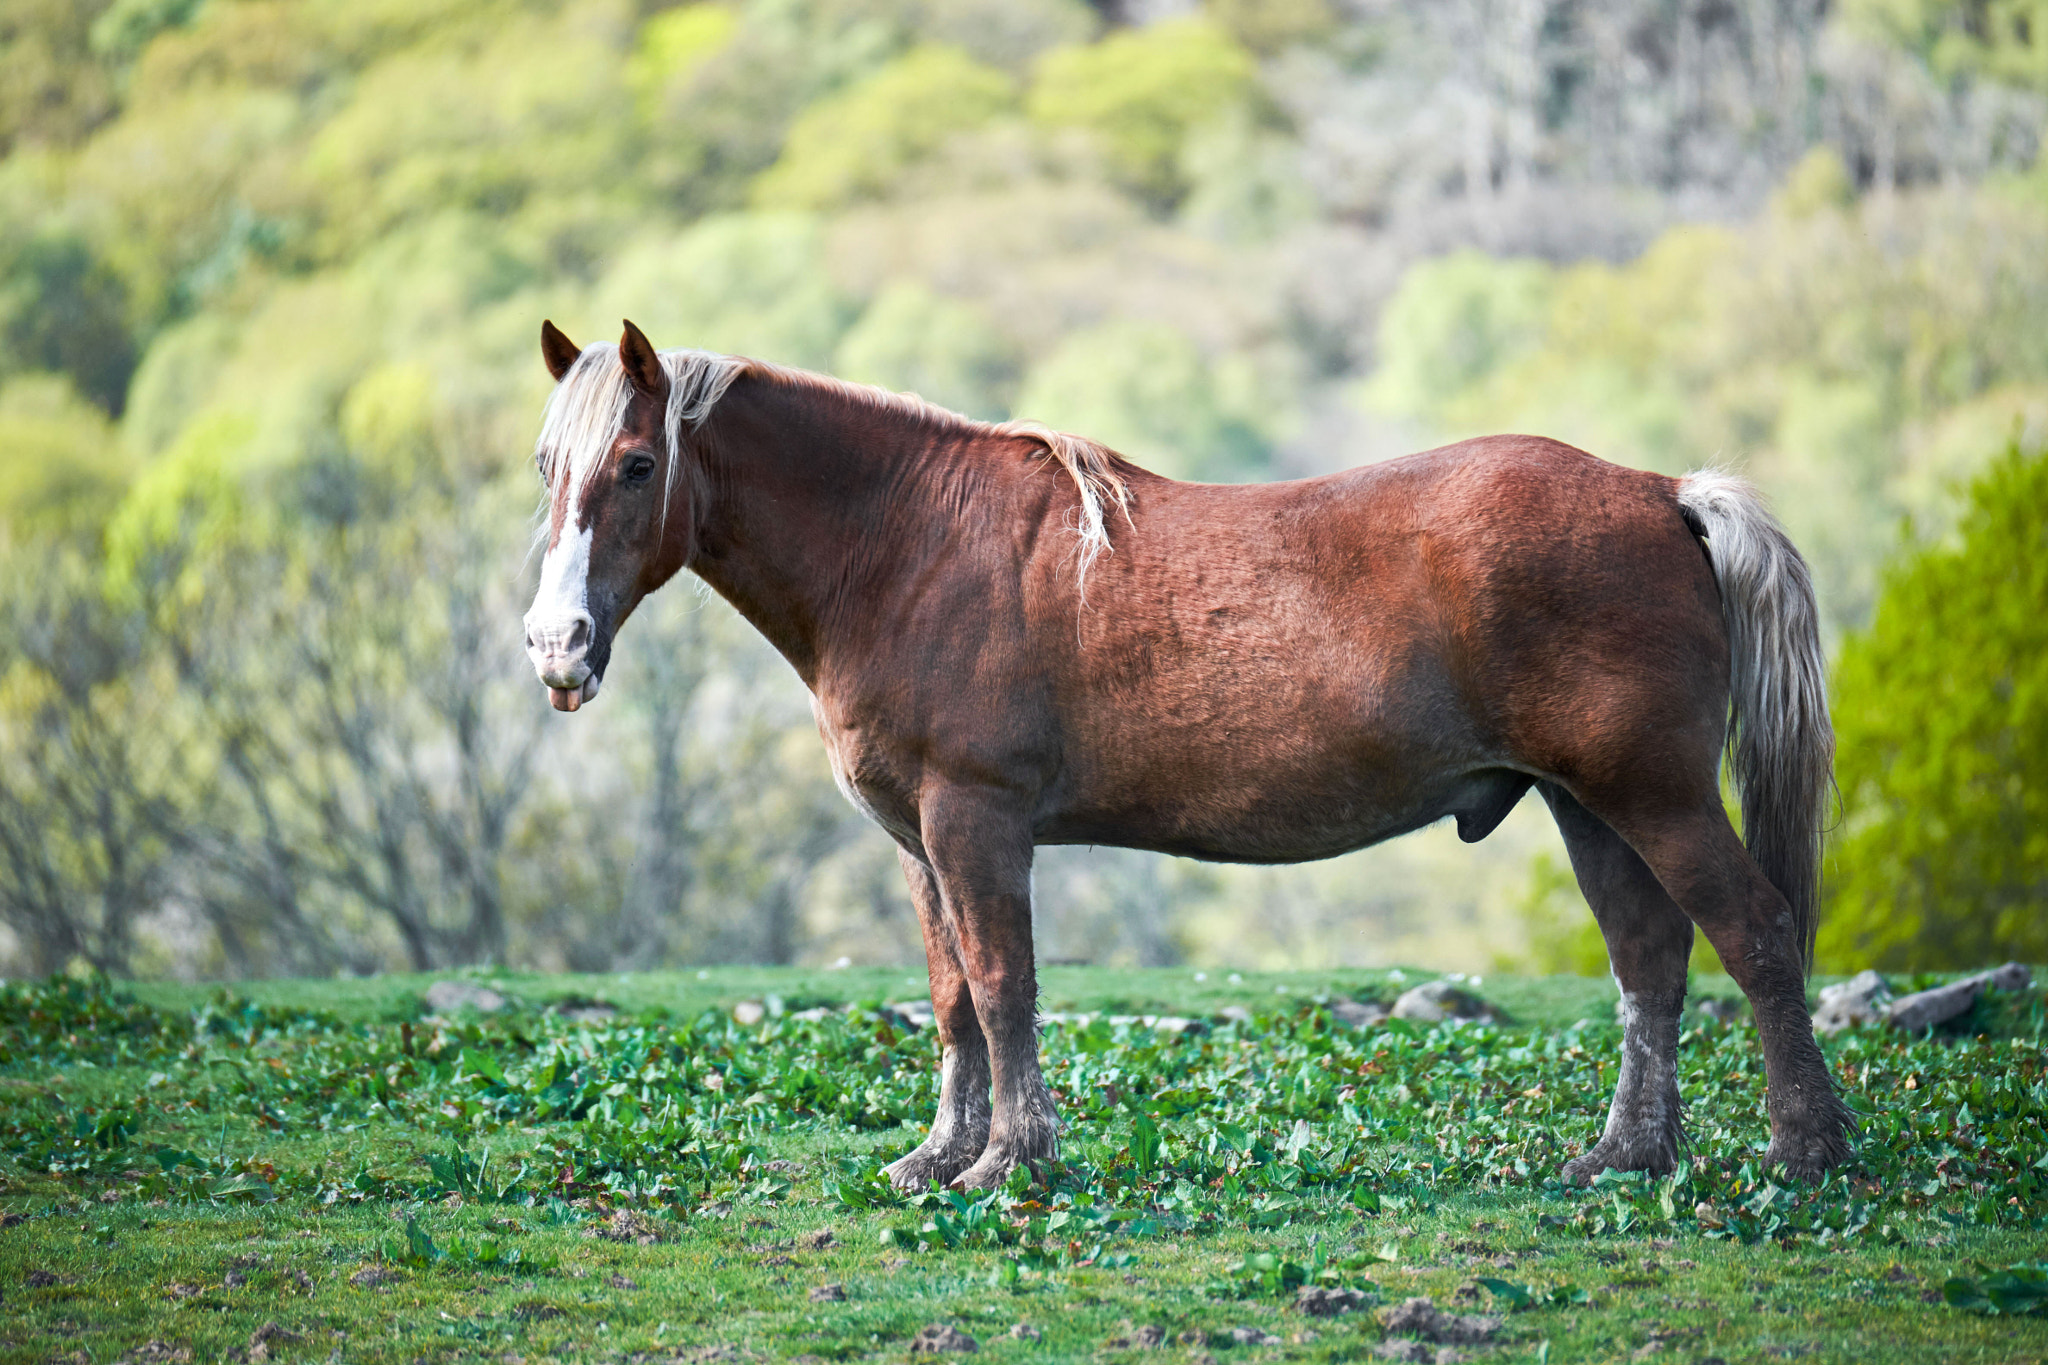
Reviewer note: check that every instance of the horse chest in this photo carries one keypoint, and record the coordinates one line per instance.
(867, 778)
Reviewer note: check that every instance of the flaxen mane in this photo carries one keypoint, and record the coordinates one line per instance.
(587, 410)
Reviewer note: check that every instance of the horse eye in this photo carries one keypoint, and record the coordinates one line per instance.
(639, 469)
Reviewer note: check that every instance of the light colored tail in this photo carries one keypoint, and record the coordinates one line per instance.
(1781, 746)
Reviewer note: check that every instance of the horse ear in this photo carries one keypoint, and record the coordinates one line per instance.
(643, 366)
(556, 348)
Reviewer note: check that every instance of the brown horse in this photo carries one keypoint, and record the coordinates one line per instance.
(1012, 637)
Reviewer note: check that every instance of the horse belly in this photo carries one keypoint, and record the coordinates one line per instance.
(1288, 774)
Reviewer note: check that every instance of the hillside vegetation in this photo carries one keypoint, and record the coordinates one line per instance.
(271, 273)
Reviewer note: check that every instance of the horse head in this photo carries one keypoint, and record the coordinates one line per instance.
(609, 453)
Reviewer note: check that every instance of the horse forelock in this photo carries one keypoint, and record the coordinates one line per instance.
(587, 411)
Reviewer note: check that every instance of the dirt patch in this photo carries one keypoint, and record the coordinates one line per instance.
(940, 1337)
(625, 1225)
(1328, 1303)
(1422, 1318)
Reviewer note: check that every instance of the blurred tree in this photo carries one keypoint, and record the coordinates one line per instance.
(852, 145)
(88, 779)
(62, 468)
(51, 92)
(1941, 721)
(1269, 26)
(910, 339)
(1453, 322)
(747, 284)
(2006, 40)
(1146, 391)
(63, 308)
(1141, 91)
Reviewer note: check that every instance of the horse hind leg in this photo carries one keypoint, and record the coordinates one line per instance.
(1704, 867)
(1649, 941)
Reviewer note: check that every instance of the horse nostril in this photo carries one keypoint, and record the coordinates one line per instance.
(579, 637)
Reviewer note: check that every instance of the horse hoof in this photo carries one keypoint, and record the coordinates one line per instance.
(1584, 1170)
(914, 1173)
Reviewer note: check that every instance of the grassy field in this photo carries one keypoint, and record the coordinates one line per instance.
(317, 1171)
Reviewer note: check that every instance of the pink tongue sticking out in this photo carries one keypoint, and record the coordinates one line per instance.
(572, 698)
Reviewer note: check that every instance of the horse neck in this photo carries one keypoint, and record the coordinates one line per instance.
(818, 503)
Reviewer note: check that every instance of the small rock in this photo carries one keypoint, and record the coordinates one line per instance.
(1859, 1000)
(910, 1014)
(1252, 1336)
(1024, 1331)
(1328, 1303)
(620, 1282)
(1448, 1355)
(234, 1279)
(816, 1240)
(1436, 1001)
(1236, 1014)
(371, 1276)
(579, 1009)
(817, 1014)
(446, 997)
(749, 1013)
(1927, 1008)
(829, 1293)
(942, 1336)
(1148, 1335)
(1358, 1014)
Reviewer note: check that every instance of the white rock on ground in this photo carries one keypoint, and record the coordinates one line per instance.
(445, 997)
(1924, 1008)
(1435, 1001)
(749, 1013)
(1859, 1000)
(1357, 1014)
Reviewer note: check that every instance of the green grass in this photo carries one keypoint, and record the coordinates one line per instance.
(182, 1167)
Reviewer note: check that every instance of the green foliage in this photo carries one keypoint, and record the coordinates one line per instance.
(125, 27)
(1227, 1167)
(749, 284)
(1146, 391)
(2006, 40)
(62, 467)
(853, 145)
(64, 309)
(1141, 91)
(910, 339)
(1941, 718)
(2011, 1292)
(1453, 322)
(1562, 935)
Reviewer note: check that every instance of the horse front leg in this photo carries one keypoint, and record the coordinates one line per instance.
(960, 1129)
(979, 848)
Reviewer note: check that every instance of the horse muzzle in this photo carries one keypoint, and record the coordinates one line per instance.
(560, 651)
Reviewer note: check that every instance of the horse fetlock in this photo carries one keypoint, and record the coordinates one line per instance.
(1811, 1133)
(937, 1161)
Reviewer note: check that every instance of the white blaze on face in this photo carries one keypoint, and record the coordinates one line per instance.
(559, 628)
